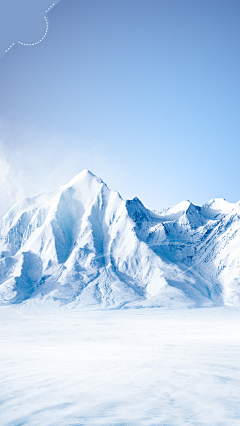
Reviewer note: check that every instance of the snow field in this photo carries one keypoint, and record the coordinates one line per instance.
(120, 367)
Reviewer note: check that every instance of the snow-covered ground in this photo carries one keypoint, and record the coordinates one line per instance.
(120, 367)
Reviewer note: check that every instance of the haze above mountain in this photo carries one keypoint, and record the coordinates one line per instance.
(84, 246)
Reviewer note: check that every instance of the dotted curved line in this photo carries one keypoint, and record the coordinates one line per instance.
(39, 41)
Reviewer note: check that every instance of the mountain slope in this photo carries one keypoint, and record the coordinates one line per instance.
(82, 245)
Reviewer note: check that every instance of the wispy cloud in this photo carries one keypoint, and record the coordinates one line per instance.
(11, 184)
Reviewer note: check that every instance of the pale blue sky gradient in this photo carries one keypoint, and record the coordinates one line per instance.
(144, 93)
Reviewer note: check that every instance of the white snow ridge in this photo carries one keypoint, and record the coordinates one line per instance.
(84, 246)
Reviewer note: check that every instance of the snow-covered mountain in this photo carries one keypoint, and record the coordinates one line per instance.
(83, 245)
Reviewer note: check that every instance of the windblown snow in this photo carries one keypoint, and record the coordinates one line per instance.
(84, 246)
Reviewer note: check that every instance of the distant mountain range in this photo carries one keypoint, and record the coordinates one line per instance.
(84, 246)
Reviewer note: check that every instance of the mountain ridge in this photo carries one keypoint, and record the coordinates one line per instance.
(84, 246)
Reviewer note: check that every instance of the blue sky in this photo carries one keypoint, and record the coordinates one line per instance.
(144, 93)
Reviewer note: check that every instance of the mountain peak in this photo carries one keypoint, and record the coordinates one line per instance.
(215, 207)
(175, 212)
(85, 174)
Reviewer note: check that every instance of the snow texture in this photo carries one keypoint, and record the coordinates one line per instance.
(128, 367)
(85, 247)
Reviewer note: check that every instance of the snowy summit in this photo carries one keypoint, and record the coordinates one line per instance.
(83, 245)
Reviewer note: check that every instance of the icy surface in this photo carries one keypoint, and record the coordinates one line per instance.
(84, 246)
(120, 367)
